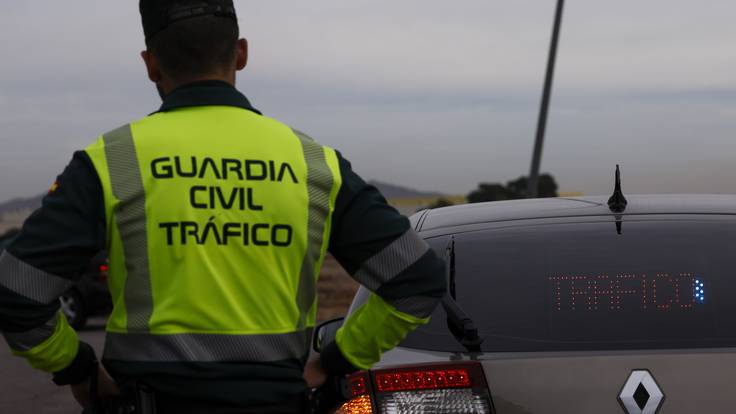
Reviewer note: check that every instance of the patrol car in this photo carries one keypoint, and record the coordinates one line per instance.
(569, 305)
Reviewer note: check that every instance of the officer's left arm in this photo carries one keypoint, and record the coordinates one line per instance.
(379, 249)
(52, 250)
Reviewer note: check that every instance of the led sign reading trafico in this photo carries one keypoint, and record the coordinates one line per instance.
(630, 292)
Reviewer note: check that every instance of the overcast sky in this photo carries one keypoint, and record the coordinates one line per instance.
(436, 95)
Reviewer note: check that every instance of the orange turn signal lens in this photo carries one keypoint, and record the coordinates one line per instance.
(359, 405)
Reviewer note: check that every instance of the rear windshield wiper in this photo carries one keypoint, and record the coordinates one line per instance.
(459, 323)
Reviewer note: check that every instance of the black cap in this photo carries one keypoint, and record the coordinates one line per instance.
(157, 15)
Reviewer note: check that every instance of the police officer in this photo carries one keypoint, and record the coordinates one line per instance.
(216, 220)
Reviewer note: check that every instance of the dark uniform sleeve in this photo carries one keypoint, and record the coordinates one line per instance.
(379, 249)
(52, 250)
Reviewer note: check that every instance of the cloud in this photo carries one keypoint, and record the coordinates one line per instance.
(433, 94)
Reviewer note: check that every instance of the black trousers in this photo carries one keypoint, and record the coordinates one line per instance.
(129, 403)
(166, 404)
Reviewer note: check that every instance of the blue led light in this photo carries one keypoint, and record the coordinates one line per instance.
(699, 291)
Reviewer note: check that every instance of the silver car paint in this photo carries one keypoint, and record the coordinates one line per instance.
(693, 381)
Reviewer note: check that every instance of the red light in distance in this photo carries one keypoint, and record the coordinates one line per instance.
(422, 380)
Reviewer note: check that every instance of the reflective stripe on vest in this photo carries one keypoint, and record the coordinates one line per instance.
(319, 183)
(207, 348)
(130, 215)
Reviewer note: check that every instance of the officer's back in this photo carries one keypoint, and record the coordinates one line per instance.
(217, 220)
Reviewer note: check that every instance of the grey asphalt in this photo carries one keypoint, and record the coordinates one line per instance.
(26, 390)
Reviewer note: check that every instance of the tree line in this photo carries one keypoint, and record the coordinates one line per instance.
(513, 190)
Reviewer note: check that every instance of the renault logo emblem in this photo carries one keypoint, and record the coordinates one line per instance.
(641, 394)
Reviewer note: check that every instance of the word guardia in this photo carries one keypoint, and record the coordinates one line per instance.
(223, 169)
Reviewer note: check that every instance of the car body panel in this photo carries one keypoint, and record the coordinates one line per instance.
(692, 380)
(468, 217)
(587, 384)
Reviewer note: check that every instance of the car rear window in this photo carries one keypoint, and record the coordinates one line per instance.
(584, 286)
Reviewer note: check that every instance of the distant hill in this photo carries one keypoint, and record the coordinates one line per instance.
(21, 204)
(14, 212)
(396, 191)
(390, 191)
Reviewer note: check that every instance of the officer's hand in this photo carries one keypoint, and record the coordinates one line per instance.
(314, 374)
(106, 388)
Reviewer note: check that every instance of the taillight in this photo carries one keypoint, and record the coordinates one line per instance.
(359, 390)
(358, 405)
(422, 380)
(431, 389)
(102, 274)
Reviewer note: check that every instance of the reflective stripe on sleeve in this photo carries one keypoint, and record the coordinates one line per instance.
(207, 347)
(374, 328)
(130, 215)
(54, 353)
(392, 260)
(29, 282)
(25, 341)
(319, 186)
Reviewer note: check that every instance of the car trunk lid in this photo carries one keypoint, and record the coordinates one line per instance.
(689, 381)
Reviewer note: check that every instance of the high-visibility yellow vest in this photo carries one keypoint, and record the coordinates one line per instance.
(218, 220)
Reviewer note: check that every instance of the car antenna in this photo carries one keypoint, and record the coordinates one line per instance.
(461, 326)
(617, 203)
